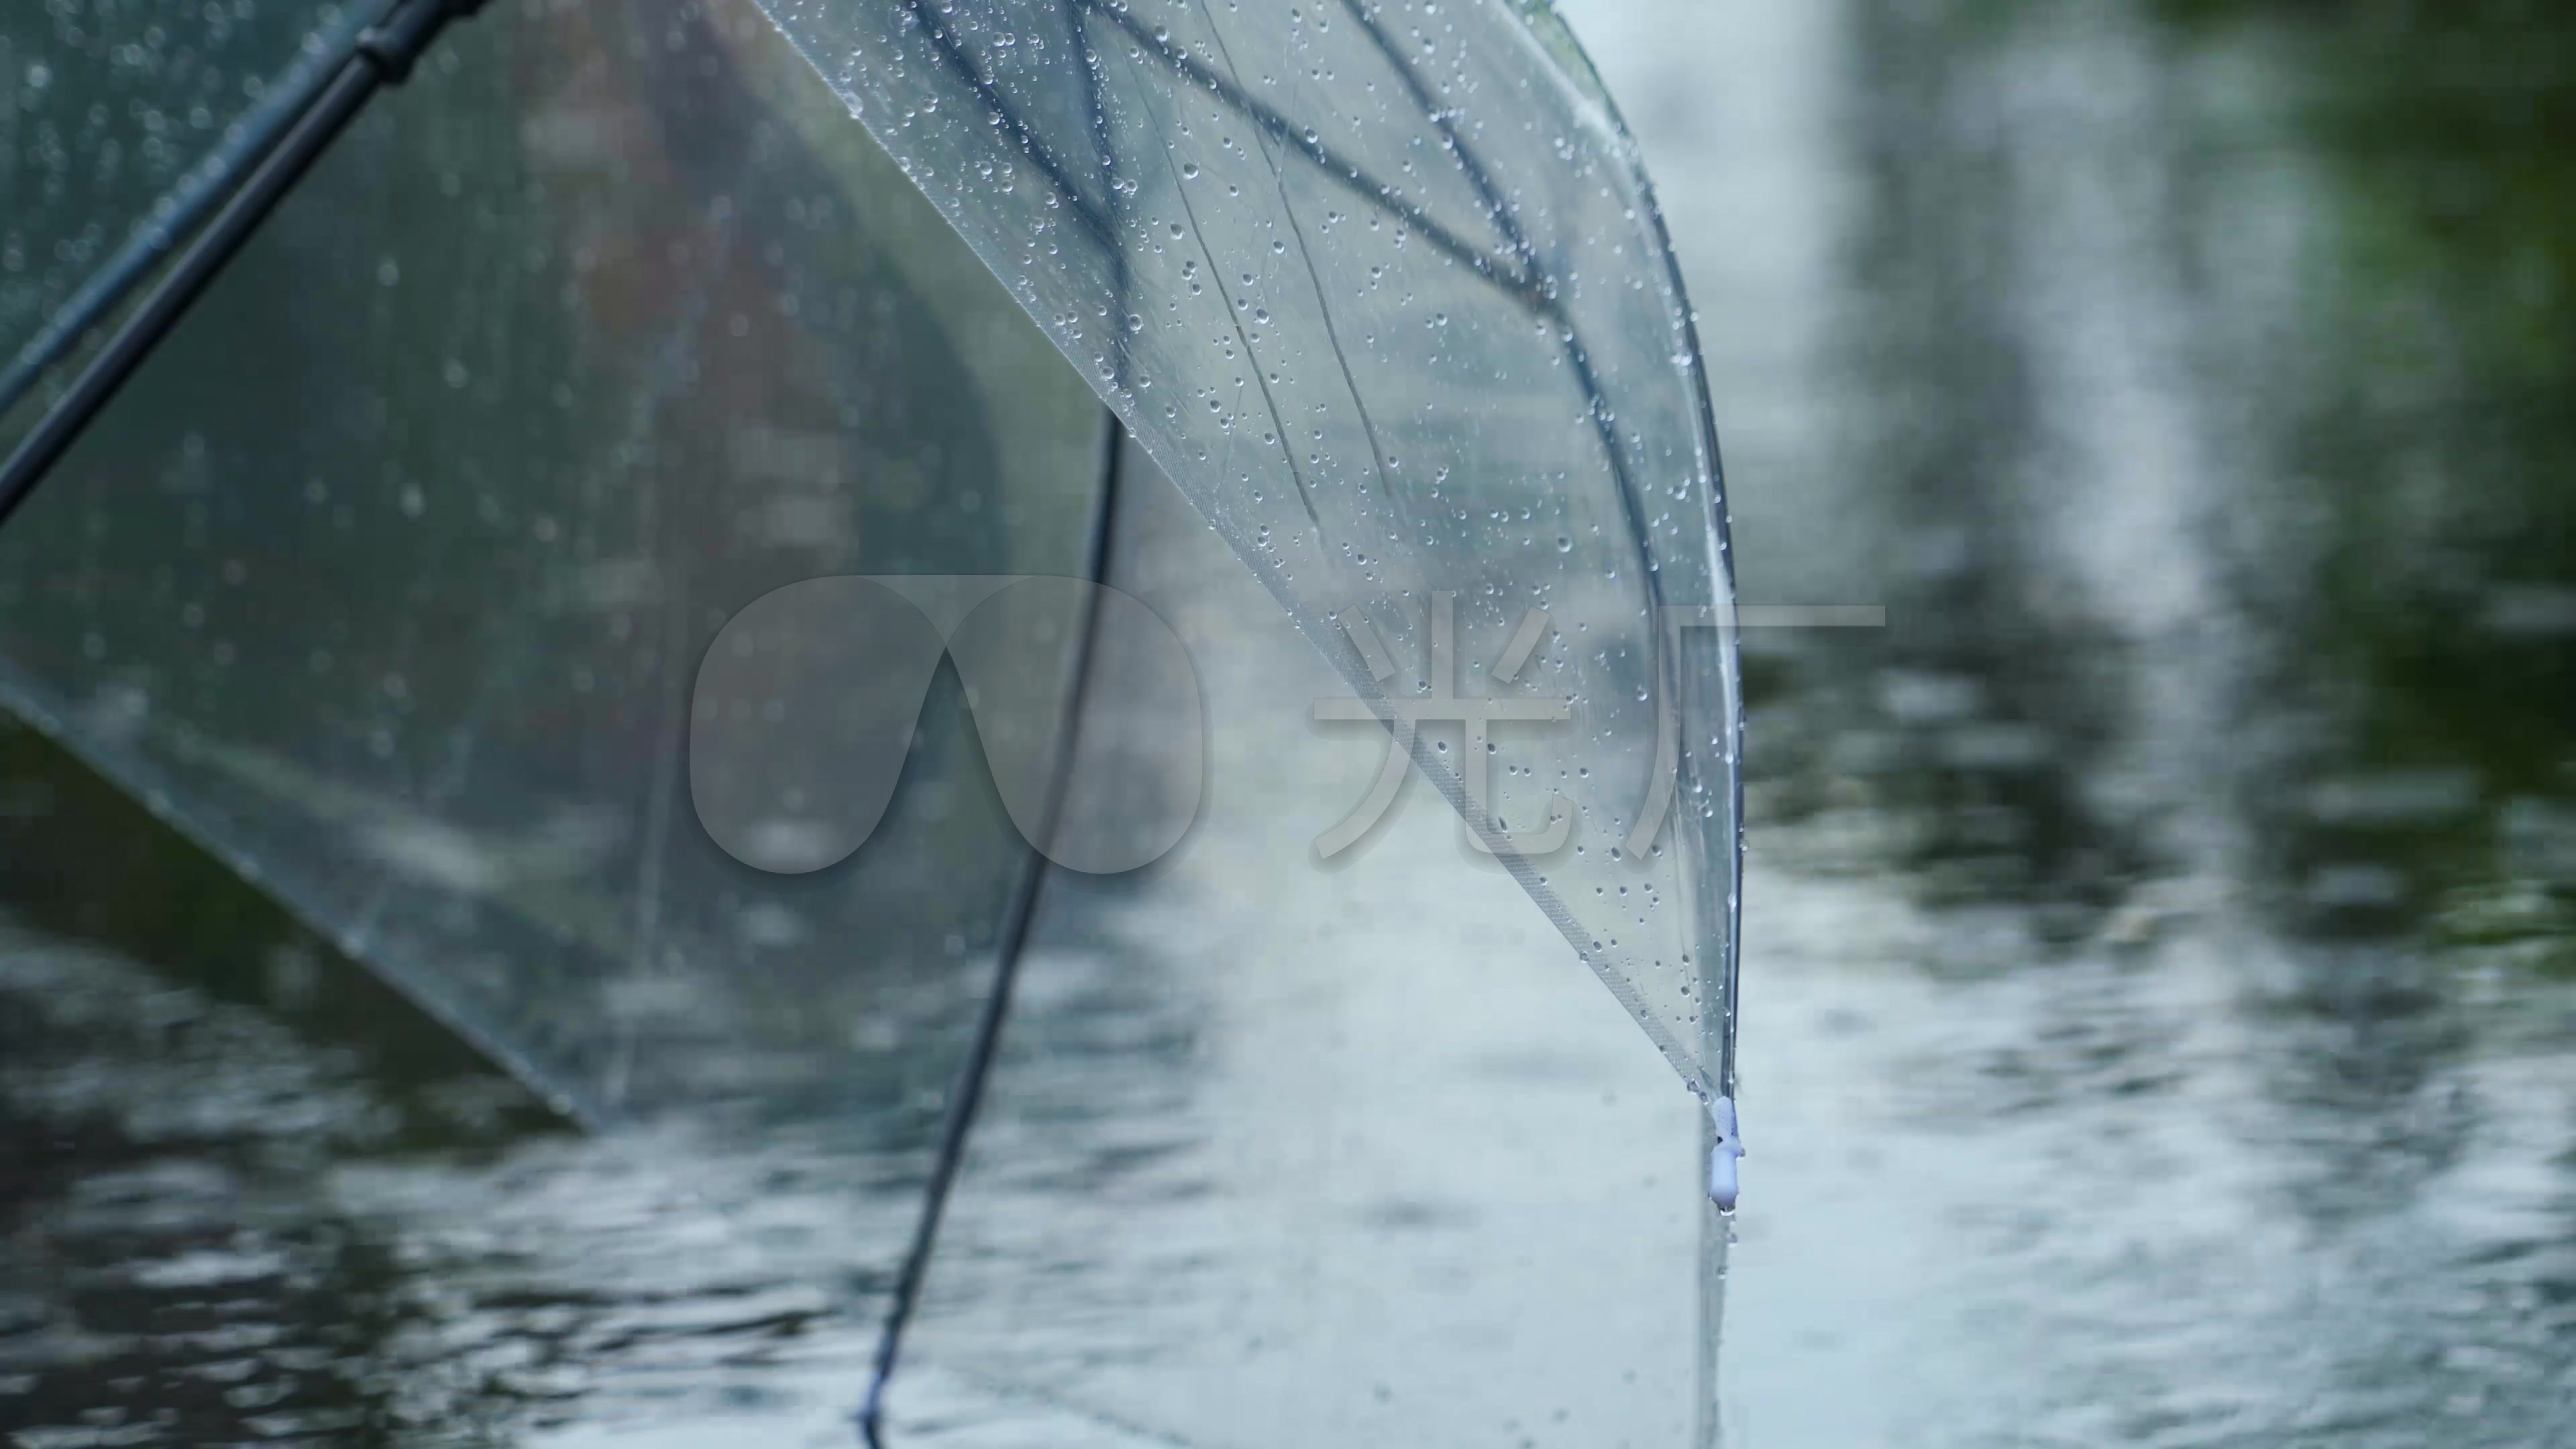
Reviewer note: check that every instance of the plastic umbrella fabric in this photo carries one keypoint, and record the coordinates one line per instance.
(1383, 287)
(113, 119)
(392, 579)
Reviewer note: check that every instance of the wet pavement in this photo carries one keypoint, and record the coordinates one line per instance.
(2158, 1009)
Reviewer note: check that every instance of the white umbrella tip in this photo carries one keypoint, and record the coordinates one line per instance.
(1724, 1154)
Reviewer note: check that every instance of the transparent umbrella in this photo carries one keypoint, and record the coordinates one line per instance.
(535, 559)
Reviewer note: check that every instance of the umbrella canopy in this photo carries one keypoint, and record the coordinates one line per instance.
(413, 643)
(1382, 286)
(407, 618)
(471, 567)
(114, 118)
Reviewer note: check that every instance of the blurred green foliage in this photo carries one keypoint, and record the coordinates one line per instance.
(2435, 433)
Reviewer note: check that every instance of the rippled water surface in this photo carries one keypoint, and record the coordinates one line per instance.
(2158, 1019)
(2161, 984)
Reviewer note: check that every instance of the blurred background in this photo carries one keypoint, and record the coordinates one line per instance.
(2159, 941)
(2160, 1009)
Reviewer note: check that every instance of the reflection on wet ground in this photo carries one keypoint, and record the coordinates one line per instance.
(2159, 1008)
(1287, 1155)
(220, 1230)
(1275, 1155)
(211, 1237)
(2162, 940)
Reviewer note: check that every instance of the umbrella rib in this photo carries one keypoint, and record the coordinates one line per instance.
(1468, 166)
(1722, 571)
(1234, 314)
(1598, 402)
(1529, 285)
(1010, 947)
(1605, 426)
(953, 53)
(1346, 173)
(1577, 356)
(178, 214)
(382, 55)
(1306, 257)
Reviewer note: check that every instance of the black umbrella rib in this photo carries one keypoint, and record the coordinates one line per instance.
(1604, 423)
(1530, 285)
(382, 55)
(1346, 173)
(1605, 426)
(175, 218)
(1577, 356)
(952, 52)
(1314, 278)
(966, 1094)
(1505, 220)
(1234, 315)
